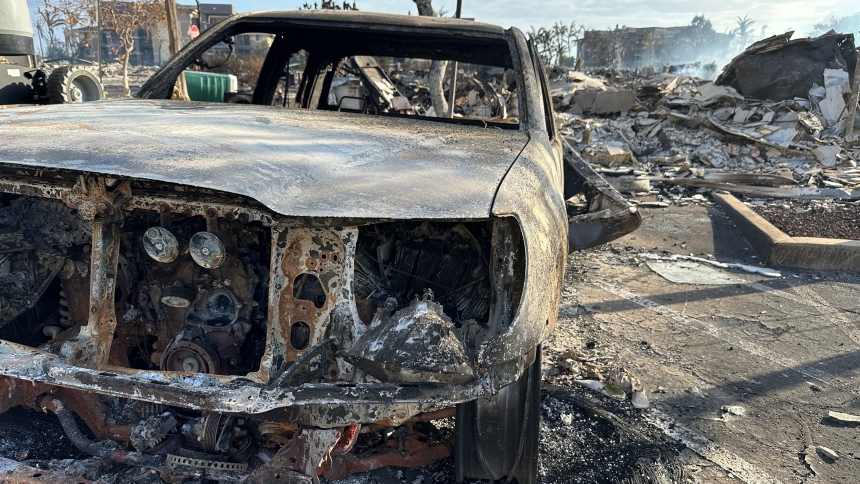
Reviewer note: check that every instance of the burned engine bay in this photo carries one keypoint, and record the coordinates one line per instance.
(199, 334)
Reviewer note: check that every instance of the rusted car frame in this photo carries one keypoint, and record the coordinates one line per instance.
(290, 295)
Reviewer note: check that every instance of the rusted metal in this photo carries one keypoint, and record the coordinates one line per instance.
(416, 344)
(94, 413)
(347, 440)
(12, 472)
(304, 454)
(421, 417)
(406, 448)
(309, 403)
(321, 253)
(103, 207)
(14, 392)
(156, 462)
(430, 416)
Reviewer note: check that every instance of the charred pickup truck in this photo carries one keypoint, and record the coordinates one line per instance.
(301, 286)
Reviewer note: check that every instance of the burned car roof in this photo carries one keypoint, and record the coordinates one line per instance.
(296, 163)
(379, 21)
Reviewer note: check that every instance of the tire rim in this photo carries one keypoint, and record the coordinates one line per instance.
(83, 90)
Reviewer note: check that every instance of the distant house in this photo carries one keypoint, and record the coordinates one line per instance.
(211, 14)
(151, 46)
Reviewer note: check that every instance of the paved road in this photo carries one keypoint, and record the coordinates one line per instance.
(787, 350)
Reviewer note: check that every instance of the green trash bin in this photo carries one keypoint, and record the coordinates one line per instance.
(209, 86)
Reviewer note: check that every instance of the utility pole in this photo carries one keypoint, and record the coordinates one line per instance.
(174, 41)
(457, 14)
(852, 107)
(99, 36)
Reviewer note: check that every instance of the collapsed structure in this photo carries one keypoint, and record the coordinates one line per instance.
(755, 130)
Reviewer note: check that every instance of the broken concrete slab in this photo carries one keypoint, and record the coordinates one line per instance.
(826, 154)
(833, 106)
(837, 77)
(608, 102)
(630, 184)
(687, 272)
(783, 137)
(843, 417)
(711, 92)
(607, 154)
(584, 99)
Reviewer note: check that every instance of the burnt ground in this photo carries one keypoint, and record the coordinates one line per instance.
(780, 352)
(814, 219)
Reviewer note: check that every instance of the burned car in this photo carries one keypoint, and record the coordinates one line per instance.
(301, 286)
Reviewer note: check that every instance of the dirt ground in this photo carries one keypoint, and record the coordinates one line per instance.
(778, 353)
(814, 219)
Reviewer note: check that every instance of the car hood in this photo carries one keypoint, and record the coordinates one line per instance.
(295, 162)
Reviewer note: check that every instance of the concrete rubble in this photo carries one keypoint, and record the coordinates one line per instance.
(666, 139)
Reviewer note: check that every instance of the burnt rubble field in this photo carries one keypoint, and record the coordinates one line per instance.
(774, 137)
(678, 356)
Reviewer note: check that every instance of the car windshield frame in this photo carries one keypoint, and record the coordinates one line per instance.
(443, 39)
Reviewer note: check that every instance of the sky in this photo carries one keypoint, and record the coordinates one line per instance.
(777, 16)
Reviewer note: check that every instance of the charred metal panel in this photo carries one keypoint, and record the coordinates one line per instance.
(235, 394)
(295, 162)
(416, 344)
(103, 207)
(529, 194)
(609, 215)
(298, 319)
(188, 205)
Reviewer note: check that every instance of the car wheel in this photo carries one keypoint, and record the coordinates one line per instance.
(497, 437)
(238, 97)
(73, 85)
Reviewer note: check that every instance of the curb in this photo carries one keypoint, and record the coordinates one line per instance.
(777, 249)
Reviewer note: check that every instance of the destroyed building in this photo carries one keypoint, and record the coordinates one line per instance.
(630, 47)
(776, 124)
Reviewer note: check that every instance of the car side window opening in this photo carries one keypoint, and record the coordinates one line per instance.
(390, 85)
(229, 70)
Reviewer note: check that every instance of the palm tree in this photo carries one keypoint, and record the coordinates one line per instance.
(744, 30)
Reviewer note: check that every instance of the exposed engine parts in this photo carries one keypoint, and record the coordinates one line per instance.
(417, 343)
(33, 252)
(402, 260)
(156, 434)
(214, 296)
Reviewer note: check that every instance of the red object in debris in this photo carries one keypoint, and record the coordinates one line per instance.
(193, 32)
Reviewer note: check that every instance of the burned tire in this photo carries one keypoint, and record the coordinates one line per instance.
(73, 85)
(238, 98)
(497, 437)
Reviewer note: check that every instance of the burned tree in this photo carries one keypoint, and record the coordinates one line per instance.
(437, 68)
(127, 20)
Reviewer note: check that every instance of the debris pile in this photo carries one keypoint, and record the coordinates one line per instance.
(610, 379)
(663, 138)
(483, 92)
